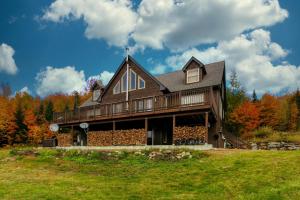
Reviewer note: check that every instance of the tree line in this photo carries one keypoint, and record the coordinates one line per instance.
(246, 113)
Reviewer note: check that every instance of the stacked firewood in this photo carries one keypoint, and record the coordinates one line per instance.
(129, 137)
(99, 138)
(186, 132)
(118, 137)
(64, 139)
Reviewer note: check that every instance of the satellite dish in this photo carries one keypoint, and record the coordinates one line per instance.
(84, 125)
(54, 127)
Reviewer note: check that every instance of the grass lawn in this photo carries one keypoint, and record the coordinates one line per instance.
(53, 174)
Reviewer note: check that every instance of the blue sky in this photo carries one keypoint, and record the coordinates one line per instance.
(54, 46)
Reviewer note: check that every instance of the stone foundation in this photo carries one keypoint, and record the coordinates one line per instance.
(65, 139)
(186, 135)
(118, 137)
(275, 146)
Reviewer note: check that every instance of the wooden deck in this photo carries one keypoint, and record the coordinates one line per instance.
(183, 101)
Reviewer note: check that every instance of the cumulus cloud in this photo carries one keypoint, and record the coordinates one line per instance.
(252, 56)
(111, 20)
(59, 80)
(182, 24)
(104, 76)
(174, 24)
(7, 62)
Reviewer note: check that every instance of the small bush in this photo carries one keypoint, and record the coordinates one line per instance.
(263, 132)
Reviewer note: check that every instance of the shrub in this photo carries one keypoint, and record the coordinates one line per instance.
(263, 132)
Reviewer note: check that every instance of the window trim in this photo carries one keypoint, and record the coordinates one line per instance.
(114, 90)
(139, 86)
(131, 89)
(122, 85)
(198, 75)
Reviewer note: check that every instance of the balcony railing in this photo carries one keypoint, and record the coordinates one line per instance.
(154, 104)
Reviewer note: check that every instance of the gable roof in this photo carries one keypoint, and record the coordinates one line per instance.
(189, 62)
(175, 81)
(162, 87)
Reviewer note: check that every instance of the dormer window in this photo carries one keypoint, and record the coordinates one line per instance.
(96, 94)
(192, 75)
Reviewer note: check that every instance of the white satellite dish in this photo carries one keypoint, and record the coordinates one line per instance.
(84, 125)
(54, 127)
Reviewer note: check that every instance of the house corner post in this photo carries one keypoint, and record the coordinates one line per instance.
(146, 130)
(173, 128)
(206, 127)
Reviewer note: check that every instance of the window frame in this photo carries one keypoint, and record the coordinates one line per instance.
(189, 76)
(132, 71)
(98, 95)
(122, 82)
(139, 85)
(119, 90)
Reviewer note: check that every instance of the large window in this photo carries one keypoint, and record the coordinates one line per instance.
(124, 82)
(132, 80)
(192, 99)
(117, 88)
(192, 75)
(141, 83)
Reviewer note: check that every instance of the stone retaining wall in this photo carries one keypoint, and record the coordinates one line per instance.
(275, 146)
(117, 137)
(186, 133)
(65, 139)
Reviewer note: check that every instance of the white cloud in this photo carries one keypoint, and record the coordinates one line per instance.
(190, 23)
(175, 24)
(104, 76)
(159, 69)
(25, 89)
(59, 80)
(7, 62)
(111, 20)
(252, 56)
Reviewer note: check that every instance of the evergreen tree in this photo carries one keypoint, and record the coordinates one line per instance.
(254, 96)
(76, 100)
(297, 98)
(40, 114)
(49, 111)
(20, 135)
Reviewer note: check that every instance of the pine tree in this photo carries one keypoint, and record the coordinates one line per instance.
(20, 135)
(254, 96)
(49, 111)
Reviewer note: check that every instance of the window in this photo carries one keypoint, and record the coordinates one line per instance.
(124, 82)
(192, 99)
(148, 104)
(141, 83)
(117, 88)
(192, 75)
(132, 80)
(96, 94)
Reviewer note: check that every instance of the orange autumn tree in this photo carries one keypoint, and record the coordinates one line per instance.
(7, 121)
(246, 117)
(269, 111)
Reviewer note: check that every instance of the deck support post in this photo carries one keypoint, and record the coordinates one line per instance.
(206, 126)
(173, 127)
(146, 129)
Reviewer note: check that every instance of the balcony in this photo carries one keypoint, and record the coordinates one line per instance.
(174, 102)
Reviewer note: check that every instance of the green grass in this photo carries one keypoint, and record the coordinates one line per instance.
(51, 174)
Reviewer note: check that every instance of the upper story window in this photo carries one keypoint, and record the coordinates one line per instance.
(117, 88)
(96, 95)
(132, 80)
(141, 83)
(124, 82)
(192, 75)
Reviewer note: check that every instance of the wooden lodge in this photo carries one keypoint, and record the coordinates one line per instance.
(184, 107)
